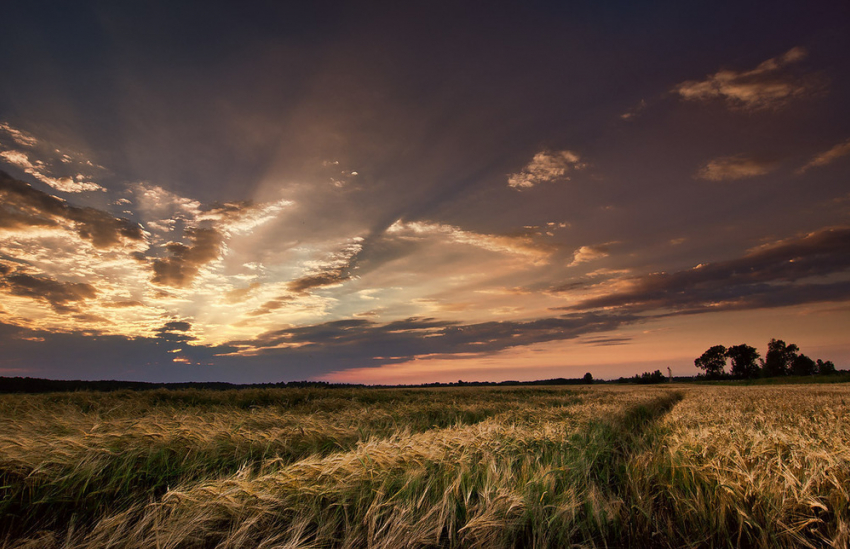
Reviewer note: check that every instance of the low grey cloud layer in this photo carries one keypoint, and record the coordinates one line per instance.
(788, 272)
(405, 339)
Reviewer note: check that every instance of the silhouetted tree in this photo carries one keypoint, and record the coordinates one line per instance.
(779, 357)
(588, 378)
(825, 368)
(803, 366)
(647, 377)
(713, 361)
(743, 359)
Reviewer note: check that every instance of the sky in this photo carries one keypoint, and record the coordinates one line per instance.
(409, 192)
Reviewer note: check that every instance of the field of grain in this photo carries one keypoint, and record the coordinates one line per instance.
(595, 466)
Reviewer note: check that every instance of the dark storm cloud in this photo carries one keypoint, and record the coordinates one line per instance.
(181, 267)
(22, 206)
(59, 295)
(368, 340)
(770, 276)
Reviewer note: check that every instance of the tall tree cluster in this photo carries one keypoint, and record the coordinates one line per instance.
(781, 359)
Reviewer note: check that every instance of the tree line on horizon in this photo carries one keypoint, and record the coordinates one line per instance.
(746, 362)
(645, 378)
(41, 385)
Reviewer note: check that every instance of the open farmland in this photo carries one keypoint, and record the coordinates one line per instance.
(449, 467)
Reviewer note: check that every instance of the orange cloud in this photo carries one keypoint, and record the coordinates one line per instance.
(591, 253)
(23, 206)
(545, 167)
(824, 158)
(181, 267)
(76, 184)
(766, 86)
(734, 167)
(521, 245)
(60, 295)
(18, 136)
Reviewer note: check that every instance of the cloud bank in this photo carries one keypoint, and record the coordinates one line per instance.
(806, 269)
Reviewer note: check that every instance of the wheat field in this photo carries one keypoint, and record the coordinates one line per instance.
(598, 466)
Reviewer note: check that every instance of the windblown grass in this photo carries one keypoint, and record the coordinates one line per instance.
(73, 456)
(755, 466)
(77, 455)
(468, 467)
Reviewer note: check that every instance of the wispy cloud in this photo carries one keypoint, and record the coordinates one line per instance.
(205, 230)
(328, 272)
(827, 157)
(546, 166)
(64, 172)
(405, 339)
(157, 203)
(591, 253)
(634, 112)
(735, 167)
(77, 184)
(769, 85)
(165, 210)
(340, 178)
(18, 136)
(242, 217)
(519, 245)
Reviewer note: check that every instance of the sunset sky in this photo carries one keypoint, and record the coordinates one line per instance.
(405, 192)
